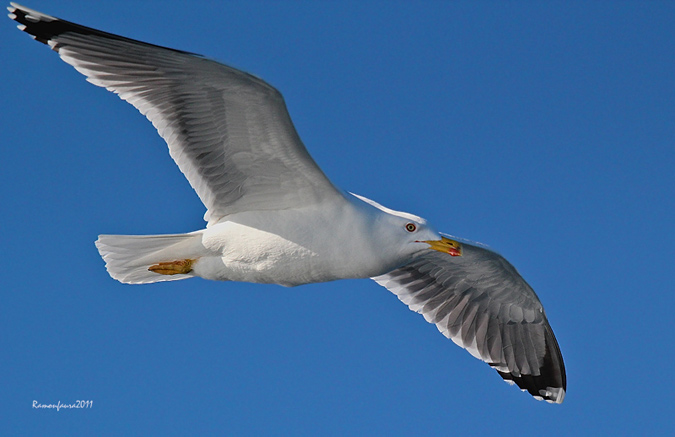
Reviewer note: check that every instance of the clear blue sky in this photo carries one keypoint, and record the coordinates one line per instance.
(544, 130)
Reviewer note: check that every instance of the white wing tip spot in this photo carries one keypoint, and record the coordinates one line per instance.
(553, 395)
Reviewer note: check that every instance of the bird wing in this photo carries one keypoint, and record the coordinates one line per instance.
(229, 132)
(481, 302)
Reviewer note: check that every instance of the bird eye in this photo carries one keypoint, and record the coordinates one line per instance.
(410, 227)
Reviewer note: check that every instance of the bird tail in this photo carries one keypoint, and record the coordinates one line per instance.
(128, 258)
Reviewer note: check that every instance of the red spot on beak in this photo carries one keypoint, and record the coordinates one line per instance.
(454, 252)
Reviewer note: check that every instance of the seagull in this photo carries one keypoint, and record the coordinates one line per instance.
(274, 217)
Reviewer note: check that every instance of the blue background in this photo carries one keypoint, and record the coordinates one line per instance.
(544, 130)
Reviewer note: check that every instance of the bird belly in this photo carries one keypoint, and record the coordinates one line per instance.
(242, 253)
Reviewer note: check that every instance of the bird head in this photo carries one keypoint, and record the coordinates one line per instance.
(413, 233)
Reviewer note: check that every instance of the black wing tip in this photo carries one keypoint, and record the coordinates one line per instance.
(45, 28)
(551, 383)
(536, 386)
(38, 25)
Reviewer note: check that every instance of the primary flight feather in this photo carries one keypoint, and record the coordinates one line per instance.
(274, 217)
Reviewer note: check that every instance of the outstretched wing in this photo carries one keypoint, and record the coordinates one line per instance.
(482, 303)
(228, 131)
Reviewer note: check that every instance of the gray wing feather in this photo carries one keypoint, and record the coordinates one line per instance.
(482, 303)
(228, 131)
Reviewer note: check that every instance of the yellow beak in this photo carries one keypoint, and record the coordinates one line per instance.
(445, 245)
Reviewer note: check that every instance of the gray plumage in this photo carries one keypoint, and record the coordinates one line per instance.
(221, 124)
(481, 302)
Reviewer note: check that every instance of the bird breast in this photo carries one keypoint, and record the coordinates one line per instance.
(291, 247)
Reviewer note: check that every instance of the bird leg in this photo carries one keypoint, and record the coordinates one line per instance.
(178, 267)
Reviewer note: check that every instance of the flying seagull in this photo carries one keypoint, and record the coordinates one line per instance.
(274, 217)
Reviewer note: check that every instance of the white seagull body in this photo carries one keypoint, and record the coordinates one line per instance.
(274, 217)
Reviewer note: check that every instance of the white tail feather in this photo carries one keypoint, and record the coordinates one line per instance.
(128, 257)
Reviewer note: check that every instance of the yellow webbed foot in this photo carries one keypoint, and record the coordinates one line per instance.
(177, 267)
